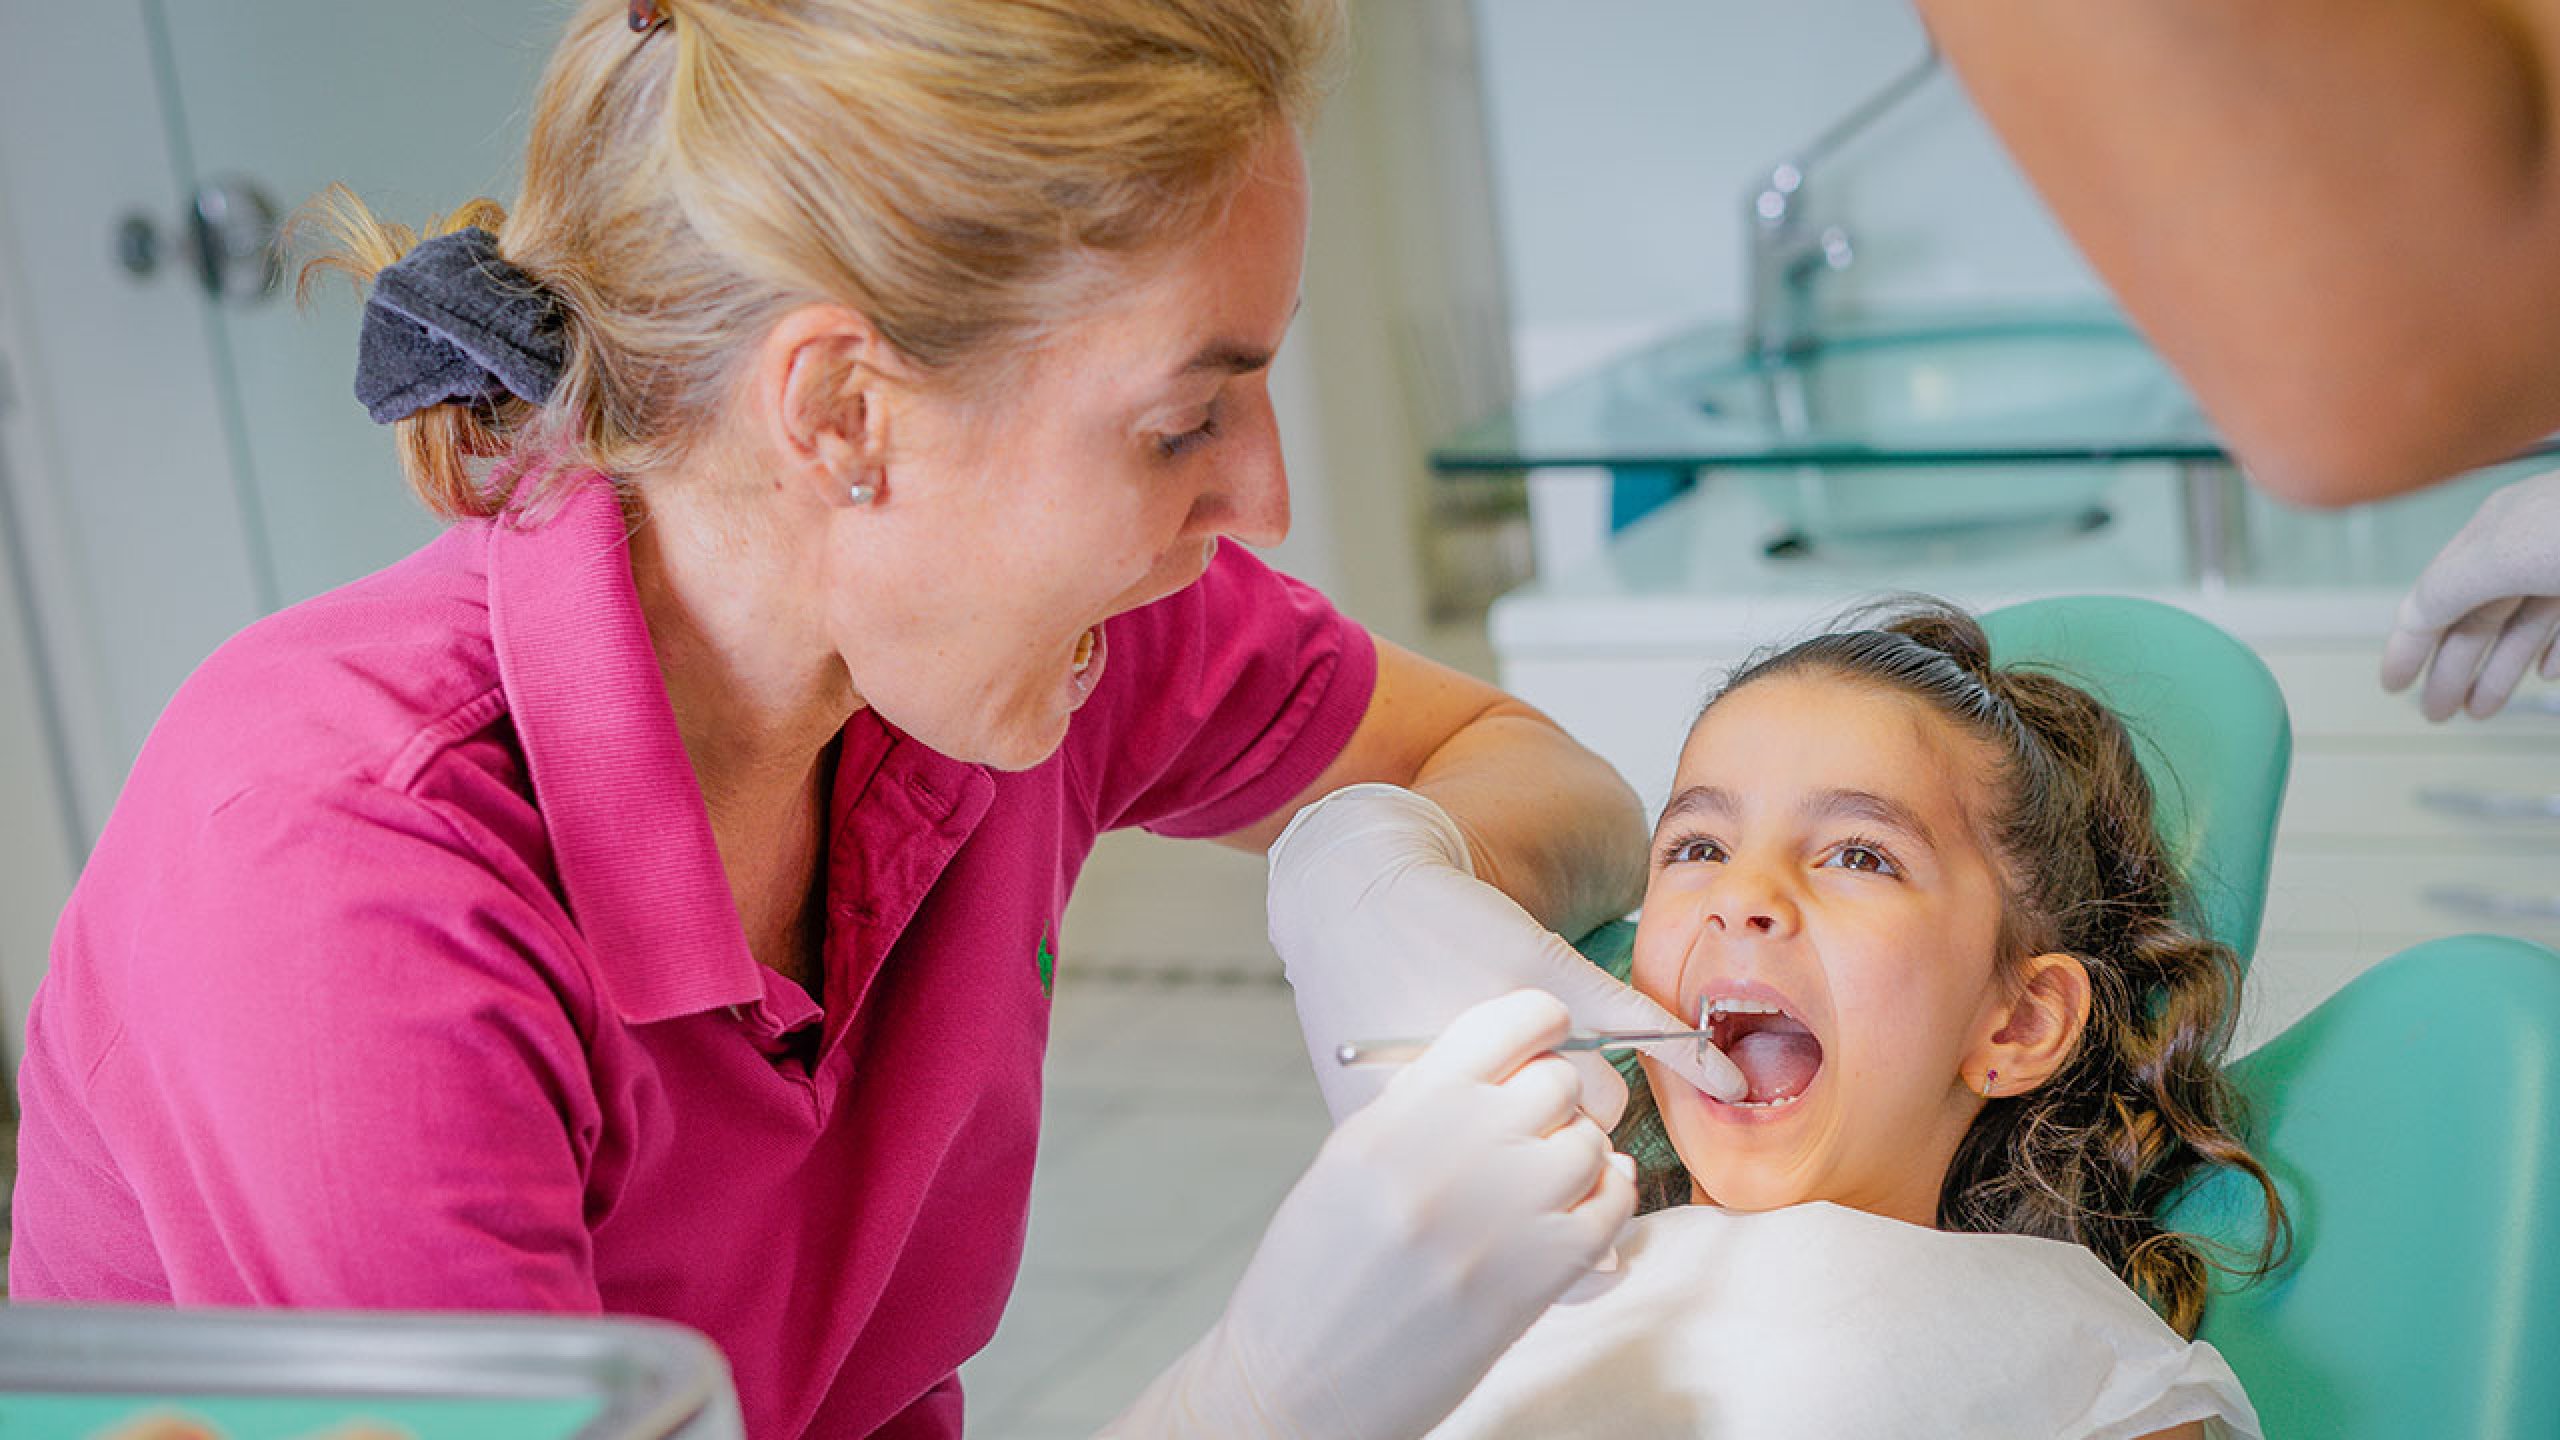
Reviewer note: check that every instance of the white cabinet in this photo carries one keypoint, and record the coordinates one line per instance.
(2394, 830)
(2397, 831)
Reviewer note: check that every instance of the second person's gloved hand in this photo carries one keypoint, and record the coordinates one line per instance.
(1387, 933)
(1432, 1229)
(2486, 608)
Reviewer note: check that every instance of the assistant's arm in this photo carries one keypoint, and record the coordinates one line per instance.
(1546, 821)
(2338, 218)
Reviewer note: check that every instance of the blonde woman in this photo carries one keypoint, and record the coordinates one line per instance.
(644, 898)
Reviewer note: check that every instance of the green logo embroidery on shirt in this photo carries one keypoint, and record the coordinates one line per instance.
(1048, 963)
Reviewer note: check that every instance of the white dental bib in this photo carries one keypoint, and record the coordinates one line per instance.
(1819, 1321)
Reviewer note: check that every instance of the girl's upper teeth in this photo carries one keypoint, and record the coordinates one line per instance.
(1727, 1005)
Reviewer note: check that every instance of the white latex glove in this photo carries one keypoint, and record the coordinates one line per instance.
(1386, 932)
(1433, 1227)
(2487, 606)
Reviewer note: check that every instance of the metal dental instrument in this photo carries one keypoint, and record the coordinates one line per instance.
(1396, 1052)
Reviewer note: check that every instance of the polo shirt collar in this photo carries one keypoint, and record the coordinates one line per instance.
(629, 831)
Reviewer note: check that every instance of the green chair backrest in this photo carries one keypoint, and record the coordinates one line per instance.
(2412, 1122)
(2207, 720)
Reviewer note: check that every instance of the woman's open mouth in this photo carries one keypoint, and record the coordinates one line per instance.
(1777, 1055)
(1084, 668)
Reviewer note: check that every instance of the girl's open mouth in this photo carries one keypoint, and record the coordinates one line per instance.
(1777, 1055)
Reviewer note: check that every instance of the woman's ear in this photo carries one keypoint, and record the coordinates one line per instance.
(2035, 1033)
(819, 396)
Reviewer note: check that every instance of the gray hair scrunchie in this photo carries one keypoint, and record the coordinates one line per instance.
(452, 321)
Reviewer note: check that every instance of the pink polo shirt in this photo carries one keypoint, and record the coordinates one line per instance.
(405, 976)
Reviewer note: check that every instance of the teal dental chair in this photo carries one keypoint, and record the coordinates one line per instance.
(2412, 1120)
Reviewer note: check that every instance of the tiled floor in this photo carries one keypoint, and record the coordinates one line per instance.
(1180, 1110)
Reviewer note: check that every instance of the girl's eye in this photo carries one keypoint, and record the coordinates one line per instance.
(1692, 850)
(1854, 856)
(1174, 447)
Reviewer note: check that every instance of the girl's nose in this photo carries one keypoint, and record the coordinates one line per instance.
(1747, 902)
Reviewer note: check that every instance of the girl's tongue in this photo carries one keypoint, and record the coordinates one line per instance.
(1775, 1054)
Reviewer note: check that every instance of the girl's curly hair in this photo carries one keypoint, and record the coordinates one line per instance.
(2141, 1108)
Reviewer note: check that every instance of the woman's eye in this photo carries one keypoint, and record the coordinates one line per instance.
(1174, 447)
(1691, 850)
(1863, 857)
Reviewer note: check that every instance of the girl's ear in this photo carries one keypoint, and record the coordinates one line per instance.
(2036, 1033)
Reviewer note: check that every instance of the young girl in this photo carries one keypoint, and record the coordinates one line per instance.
(1922, 903)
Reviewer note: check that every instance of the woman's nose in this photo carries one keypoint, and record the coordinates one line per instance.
(1249, 499)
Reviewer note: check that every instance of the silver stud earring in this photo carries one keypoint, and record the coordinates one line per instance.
(862, 492)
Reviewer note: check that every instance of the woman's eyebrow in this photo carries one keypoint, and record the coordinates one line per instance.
(1229, 356)
(1235, 357)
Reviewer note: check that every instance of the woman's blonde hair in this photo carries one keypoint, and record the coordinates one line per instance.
(949, 168)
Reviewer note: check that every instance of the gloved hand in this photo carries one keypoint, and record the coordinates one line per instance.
(2486, 608)
(1433, 1227)
(1386, 932)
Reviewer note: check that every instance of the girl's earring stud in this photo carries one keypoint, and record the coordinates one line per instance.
(1989, 1078)
(861, 493)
